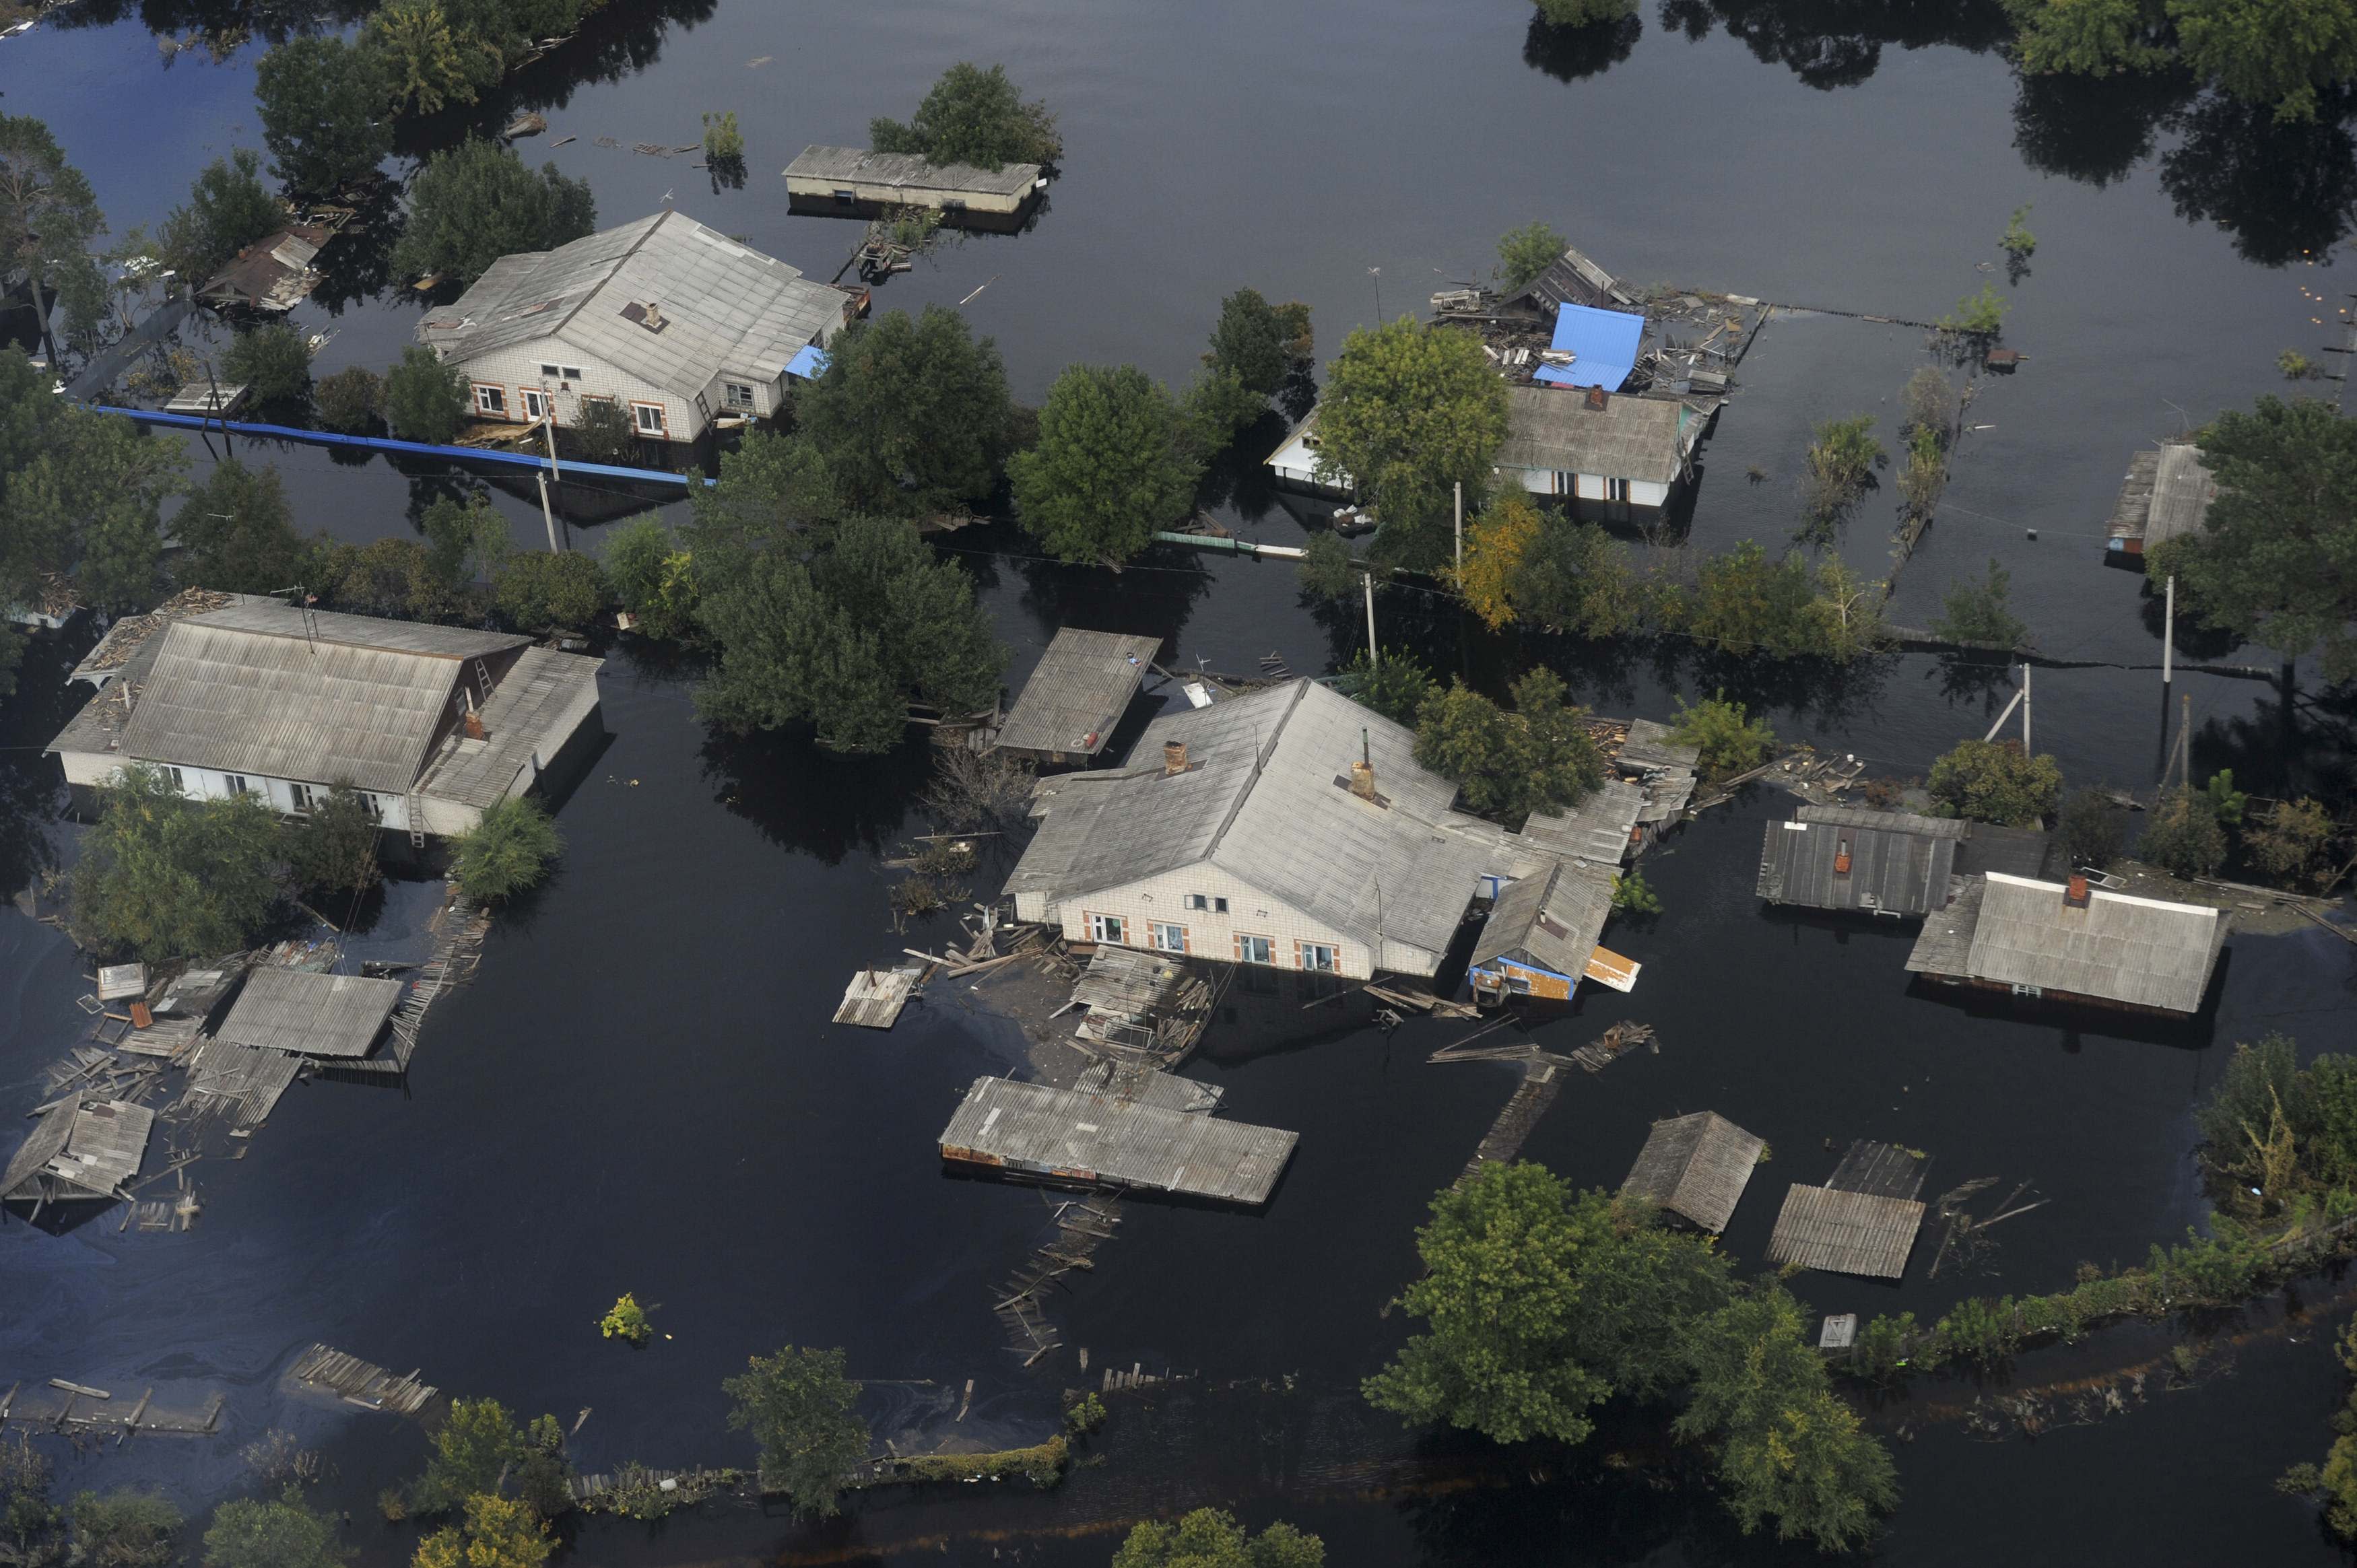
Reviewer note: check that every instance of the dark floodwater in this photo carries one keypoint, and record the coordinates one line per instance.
(642, 1092)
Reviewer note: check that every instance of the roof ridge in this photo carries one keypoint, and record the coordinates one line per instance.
(611, 272)
(1261, 755)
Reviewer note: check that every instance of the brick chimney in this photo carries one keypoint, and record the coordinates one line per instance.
(474, 725)
(1598, 399)
(1363, 772)
(1174, 757)
(2075, 896)
(1841, 858)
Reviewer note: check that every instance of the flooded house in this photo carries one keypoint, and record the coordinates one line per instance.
(1899, 864)
(1541, 937)
(854, 182)
(80, 1151)
(675, 322)
(275, 273)
(2071, 942)
(2167, 493)
(1696, 1167)
(433, 724)
(1613, 457)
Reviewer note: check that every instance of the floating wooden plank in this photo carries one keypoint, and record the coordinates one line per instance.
(874, 998)
(359, 1382)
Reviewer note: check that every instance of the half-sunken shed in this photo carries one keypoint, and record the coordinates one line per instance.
(1696, 1167)
(2074, 943)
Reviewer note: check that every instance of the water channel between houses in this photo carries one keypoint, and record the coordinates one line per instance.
(641, 1092)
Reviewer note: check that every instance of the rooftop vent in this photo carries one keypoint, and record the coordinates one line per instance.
(649, 316)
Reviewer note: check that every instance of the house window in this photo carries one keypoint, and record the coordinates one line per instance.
(374, 804)
(845, 198)
(1196, 901)
(1219, 906)
(235, 783)
(1318, 956)
(490, 400)
(550, 374)
(1615, 489)
(573, 373)
(2030, 991)
(952, 203)
(650, 416)
(739, 395)
(1105, 928)
(178, 783)
(304, 797)
(1255, 950)
(1164, 937)
(535, 402)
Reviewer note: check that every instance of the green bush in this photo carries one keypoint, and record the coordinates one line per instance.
(602, 432)
(2182, 835)
(1396, 688)
(352, 400)
(1729, 741)
(506, 853)
(125, 1529)
(163, 877)
(540, 591)
(1978, 314)
(273, 361)
(2089, 829)
(1993, 782)
(626, 1320)
(425, 398)
(654, 578)
(1525, 253)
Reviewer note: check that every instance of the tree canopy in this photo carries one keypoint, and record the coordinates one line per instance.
(1508, 765)
(228, 209)
(477, 202)
(287, 1533)
(89, 504)
(496, 1532)
(273, 361)
(1108, 472)
(1408, 412)
(1258, 343)
(973, 116)
(481, 1450)
(1525, 253)
(1725, 738)
(323, 107)
(1210, 1538)
(123, 1528)
(801, 1410)
(540, 590)
(911, 414)
(1994, 781)
(2276, 558)
(1975, 611)
(48, 214)
(424, 400)
(506, 853)
(163, 877)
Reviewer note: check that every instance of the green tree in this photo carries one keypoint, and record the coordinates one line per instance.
(498, 1532)
(1258, 343)
(477, 202)
(1928, 401)
(774, 492)
(1788, 1449)
(505, 853)
(2088, 828)
(1978, 314)
(1396, 688)
(247, 1532)
(48, 214)
(228, 209)
(27, 1518)
(799, 1408)
(334, 848)
(237, 533)
(91, 503)
(273, 361)
(911, 414)
(1525, 253)
(1328, 570)
(538, 591)
(1410, 411)
(1540, 1303)
(626, 1320)
(2293, 841)
(125, 1529)
(1210, 1538)
(426, 64)
(1575, 577)
(723, 142)
(1976, 612)
(1508, 765)
(352, 400)
(1843, 618)
(1632, 894)
(2091, 38)
(604, 433)
(466, 542)
(1840, 468)
(396, 577)
(163, 877)
(1107, 473)
(653, 578)
(973, 116)
(1729, 741)
(1745, 603)
(2182, 835)
(1993, 782)
(2276, 558)
(2283, 52)
(2016, 240)
(323, 115)
(1584, 14)
(425, 398)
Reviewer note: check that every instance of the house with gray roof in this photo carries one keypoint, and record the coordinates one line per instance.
(2166, 495)
(2073, 942)
(433, 724)
(1542, 932)
(676, 323)
(857, 182)
(1612, 455)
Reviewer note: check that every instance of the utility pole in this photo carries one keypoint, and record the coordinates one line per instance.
(1378, 274)
(1374, 658)
(1459, 487)
(2025, 710)
(2169, 637)
(548, 513)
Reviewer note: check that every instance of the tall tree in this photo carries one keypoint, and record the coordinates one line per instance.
(163, 877)
(1540, 1303)
(498, 1532)
(92, 501)
(1508, 765)
(237, 533)
(911, 414)
(1108, 471)
(800, 1409)
(477, 202)
(2276, 558)
(424, 400)
(425, 62)
(1210, 1538)
(324, 112)
(1409, 410)
(228, 209)
(1258, 343)
(1994, 781)
(1525, 253)
(973, 116)
(48, 214)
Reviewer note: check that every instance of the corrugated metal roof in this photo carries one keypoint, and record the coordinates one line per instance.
(1628, 438)
(1602, 343)
(1119, 1142)
(725, 306)
(1696, 1166)
(865, 167)
(1889, 870)
(2182, 490)
(1552, 920)
(1988, 847)
(314, 1015)
(1597, 828)
(1078, 692)
(1845, 1232)
(2143, 951)
(1651, 745)
(271, 617)
(1889, 821)
(92, 1145)
(523, 716)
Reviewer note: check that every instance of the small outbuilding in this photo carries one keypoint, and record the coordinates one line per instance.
(1542, 932)
(307, 1014)
(854, 182)
(1696, 1167)
(1855, 859)
(1097, 1139)
(2166, 494)
(80, 1151)
(1077, 694)
(2075, 942)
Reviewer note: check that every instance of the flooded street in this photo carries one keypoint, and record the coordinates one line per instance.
(641, 1091)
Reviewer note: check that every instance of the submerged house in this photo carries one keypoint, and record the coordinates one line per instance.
(1613, 457)
(676, 323)
(1855, 859)
(1541, 936)
(853, 182)
(2074, 943)
(433, 724)
(2167, 493)
(1696, 1167)
(80, 1151)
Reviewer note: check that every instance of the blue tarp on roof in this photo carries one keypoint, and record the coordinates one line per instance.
(810, 362)
(1603, 344)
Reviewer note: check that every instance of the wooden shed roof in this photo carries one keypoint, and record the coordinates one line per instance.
(1078, 692)
(1696, 1167)
(1043, 1130)
(80, 1149)
(1845, 1232)
(313, 1015)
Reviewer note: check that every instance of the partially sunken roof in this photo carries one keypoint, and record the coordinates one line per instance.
(1078, 692)
(720, 305)
(89, 1148)
(1845, 1232)
(526, 719)
(1696, 1167)
(1550, 919)
(2146, 952)
(1266, 799)
(1037, 1129)
(2181, 493)
(315, 1015)
(1884, 868)
(1628, 438)
(859, 165)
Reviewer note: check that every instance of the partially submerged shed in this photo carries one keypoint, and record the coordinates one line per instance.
(2166, 495)
(1855, 859)
(1541, 931)
(854, 182)
(1059, 1135)
(1077, 694)
(1862, 1221)
(80, 1150)
(1696, 1167)
(2074, 943)
(306, 1014)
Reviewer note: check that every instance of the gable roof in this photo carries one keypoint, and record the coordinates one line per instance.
(316, 1014)
(1262, 800)
(1550, 919)
(1696, 1166)
(1628, 439)
(724, 305)
(244, 690)
(1892, 867)
(2019, 931)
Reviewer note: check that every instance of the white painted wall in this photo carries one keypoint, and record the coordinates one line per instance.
(1209, 934)
(813, 189)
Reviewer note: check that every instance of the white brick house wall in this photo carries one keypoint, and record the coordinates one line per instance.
(1209, 933)
(516, 370)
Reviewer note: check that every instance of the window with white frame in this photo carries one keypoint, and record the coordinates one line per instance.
(550, 374)
(235, 783)
(178, 782)
(573, 373)
(304, 796)
(1196, 901)
(1615, 489)
(535, 402)
(1105, 928)
(1255, 950)
(1318, 956)
(650, 416)
(738, 394)
(1166, 936)
(491, 399)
